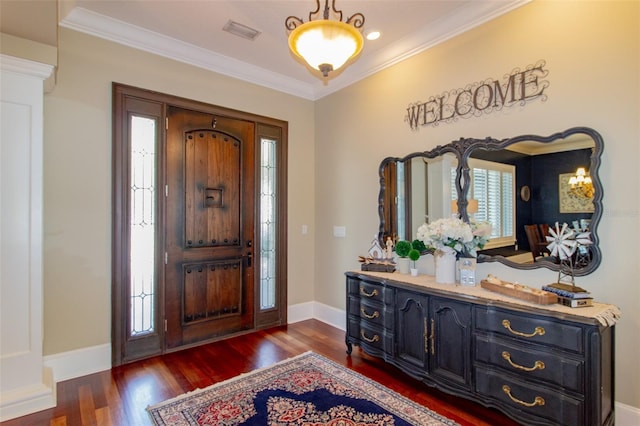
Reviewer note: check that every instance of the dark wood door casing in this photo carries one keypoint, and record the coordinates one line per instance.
(236, 308)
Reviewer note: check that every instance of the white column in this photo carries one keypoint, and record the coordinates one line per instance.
(26, 385)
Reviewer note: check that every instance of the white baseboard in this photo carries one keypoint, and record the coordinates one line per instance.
(314, 310)
(300, 312)
(626, 415)
(80, 362)
(27, 400)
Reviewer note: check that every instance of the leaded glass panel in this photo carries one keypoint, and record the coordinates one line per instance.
(268, 224)
(142, 242)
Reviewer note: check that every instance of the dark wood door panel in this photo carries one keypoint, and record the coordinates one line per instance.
(211, 290)
(213, 165)
(210, 224)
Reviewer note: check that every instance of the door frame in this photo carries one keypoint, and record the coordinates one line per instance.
(124, 347)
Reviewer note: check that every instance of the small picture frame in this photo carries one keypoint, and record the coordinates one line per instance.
(467, 266)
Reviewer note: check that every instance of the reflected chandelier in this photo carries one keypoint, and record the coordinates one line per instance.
(581, 184)
(325, 44)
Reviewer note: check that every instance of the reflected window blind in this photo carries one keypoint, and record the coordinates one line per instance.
(493, 187)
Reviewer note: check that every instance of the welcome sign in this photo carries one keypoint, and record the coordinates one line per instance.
(519, 87)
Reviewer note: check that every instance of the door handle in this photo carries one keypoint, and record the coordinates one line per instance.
(249, 256)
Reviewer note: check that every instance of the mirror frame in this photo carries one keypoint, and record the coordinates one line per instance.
(463, 149)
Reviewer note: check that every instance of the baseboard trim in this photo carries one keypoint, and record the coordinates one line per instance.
(80, 362)
(319, 311)
(626, 415)
(23, 401)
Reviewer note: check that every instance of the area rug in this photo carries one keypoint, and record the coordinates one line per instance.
(307, 390)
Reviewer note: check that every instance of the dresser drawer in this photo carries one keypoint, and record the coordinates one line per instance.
(375, 337)
(371, 311)
(370, 291)
(520, 396)
(531, 329)
(527, 363)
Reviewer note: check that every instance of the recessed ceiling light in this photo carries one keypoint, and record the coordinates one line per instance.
(240, 30)
(373, 35)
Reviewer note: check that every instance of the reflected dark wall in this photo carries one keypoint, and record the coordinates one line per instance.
(545, 203)
(540, 173)
(524, 211)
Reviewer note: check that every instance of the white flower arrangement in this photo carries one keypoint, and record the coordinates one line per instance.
(462, 237)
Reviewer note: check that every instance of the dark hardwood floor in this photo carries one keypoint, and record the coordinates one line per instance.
(120, 396)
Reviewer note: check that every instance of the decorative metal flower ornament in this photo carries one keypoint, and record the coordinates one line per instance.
(563, 243)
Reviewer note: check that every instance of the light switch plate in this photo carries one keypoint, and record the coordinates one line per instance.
(339, 231)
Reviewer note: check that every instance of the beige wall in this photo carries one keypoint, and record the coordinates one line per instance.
(77, 173)
(592, 52)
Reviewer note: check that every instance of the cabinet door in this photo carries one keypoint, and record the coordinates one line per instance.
(411, 331)
(450, 340)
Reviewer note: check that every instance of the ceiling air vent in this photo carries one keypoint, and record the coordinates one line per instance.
(240, 30)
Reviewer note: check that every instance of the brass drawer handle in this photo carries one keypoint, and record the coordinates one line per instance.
(537, 365)
(374, 339)
(426, 336)
(507, 324)
(375, 314)
(372, 294)
(433, 338)
(537, 401)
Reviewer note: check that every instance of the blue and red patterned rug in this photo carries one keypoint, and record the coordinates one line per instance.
(308, 390)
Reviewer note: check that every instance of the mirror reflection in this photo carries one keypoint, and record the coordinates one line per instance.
(525, 188)
(415, 190)
(522, 186)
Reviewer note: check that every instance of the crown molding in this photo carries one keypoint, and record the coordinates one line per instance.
(26, 67)
(464, 19)
(432, 35)
(98, 25)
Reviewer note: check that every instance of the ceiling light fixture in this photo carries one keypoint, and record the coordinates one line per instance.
(326, 44)
(373, 35)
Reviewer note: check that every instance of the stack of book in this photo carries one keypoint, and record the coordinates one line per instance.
(570, 295)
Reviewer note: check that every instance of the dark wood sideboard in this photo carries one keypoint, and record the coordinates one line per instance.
(538, 366)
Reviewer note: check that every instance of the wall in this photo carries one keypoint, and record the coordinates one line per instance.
(592, 52)
(77, 175)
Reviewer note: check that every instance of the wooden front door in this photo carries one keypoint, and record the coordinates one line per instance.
(209, 266)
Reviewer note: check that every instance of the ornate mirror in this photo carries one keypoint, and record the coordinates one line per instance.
(522, 185)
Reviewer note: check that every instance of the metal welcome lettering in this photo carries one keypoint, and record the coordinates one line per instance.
(518, 87)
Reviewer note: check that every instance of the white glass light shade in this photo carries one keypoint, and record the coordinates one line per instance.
(326, 45)
(580, 178)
